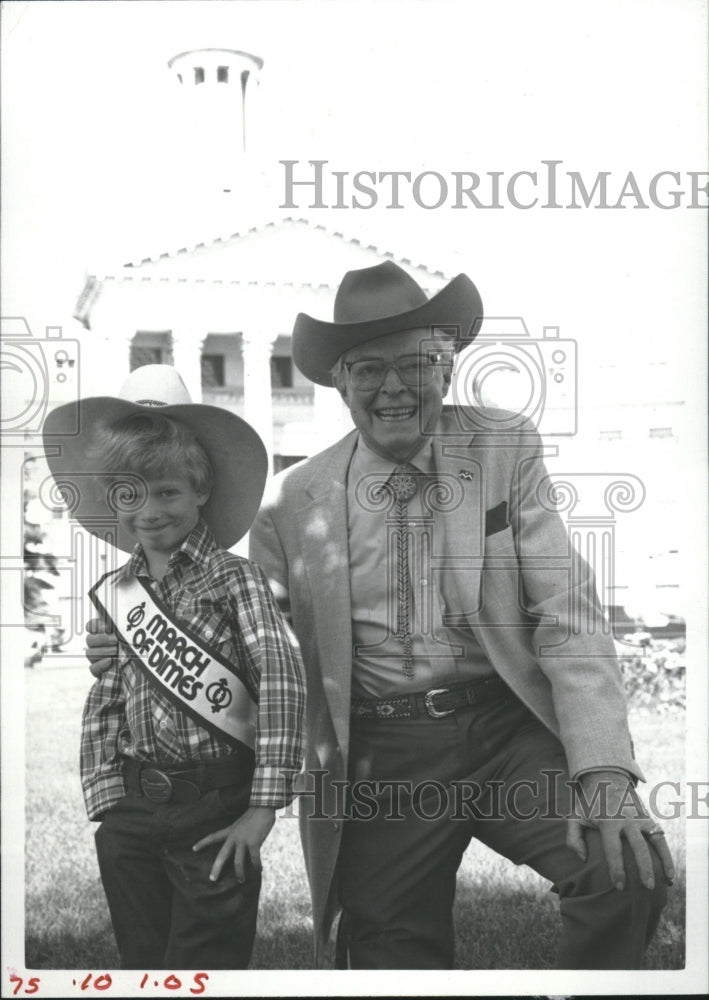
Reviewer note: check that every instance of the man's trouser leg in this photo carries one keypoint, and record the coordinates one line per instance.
(601, 927)
(397, 869)
(397, 875)
(165, 911)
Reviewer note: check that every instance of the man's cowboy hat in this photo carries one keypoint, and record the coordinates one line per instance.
(236, 454)
(375, 301)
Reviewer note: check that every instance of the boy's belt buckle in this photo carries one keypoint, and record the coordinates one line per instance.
(155, 785)
(434, 712)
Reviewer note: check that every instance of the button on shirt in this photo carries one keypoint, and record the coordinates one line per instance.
(227, 600)
(439, 653)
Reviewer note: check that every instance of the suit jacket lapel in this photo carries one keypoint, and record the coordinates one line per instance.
(461, 554)
(323, 535)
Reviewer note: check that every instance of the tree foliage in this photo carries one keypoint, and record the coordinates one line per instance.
(39, 564)
(654, 675)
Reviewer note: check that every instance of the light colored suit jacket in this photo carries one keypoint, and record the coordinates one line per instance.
(529, 599)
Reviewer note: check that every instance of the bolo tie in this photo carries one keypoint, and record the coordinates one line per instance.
(403, 486)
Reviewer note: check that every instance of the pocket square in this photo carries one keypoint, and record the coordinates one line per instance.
(496, 519)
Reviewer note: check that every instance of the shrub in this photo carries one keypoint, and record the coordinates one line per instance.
(654, 675)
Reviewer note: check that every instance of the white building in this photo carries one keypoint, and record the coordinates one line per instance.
(213, 286)
(222, 312)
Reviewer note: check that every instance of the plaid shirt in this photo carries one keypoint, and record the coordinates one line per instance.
(226, 599)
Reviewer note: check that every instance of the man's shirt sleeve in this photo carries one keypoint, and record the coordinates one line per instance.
(575, 654)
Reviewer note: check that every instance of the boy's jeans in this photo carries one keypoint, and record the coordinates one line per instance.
(166, 914)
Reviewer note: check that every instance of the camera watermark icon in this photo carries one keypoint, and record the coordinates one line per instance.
(37, 373)
(507, 378)
(81, 544)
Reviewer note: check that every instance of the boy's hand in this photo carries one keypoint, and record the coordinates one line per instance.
(242, 838)
(101, 647)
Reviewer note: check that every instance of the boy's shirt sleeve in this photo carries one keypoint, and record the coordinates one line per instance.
(103, 718)
(276, 671)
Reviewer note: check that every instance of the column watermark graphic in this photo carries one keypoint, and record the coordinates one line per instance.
(590, 503)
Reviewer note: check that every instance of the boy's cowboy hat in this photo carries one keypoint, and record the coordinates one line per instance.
(375, 301)
(236, 453)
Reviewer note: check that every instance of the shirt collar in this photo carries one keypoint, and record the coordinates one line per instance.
(368, 461)
(195, 548)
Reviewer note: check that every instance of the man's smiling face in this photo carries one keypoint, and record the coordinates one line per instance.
(395, 418)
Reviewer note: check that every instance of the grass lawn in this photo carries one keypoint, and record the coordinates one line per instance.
(67, 922)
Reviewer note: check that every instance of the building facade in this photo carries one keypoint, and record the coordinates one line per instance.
(222, 313)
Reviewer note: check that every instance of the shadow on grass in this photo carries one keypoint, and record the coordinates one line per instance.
(275, 949)
(516, 929)
(72, 950)
(505, 916)
(84, 939)
(291, 948)
(508, 930)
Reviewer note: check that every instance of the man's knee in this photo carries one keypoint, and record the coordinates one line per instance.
(652, 900)
(607, 928)
(593, 876)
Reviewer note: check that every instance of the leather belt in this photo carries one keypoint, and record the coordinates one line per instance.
(436, 703)
(184, 782)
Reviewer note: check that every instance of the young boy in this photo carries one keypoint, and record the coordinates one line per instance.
(190, 741)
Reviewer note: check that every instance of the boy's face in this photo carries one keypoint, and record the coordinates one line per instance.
(167, 517)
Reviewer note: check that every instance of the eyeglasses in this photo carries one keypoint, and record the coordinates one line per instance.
(414, 370)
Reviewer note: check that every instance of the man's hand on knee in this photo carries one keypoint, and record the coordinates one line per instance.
(608, 802)
(101, 647)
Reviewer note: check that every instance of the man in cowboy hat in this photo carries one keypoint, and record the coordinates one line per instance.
(448, 696)
(191, 739)
(431, 593)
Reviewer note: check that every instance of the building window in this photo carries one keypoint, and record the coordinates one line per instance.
(212, 371)
(282, 373)
(199, 74)
(222, 74)
(140, 355)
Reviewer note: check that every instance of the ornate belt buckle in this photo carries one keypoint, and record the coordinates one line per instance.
(155, 785)
(428, 702)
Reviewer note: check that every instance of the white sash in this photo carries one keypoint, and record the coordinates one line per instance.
(193, 676)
